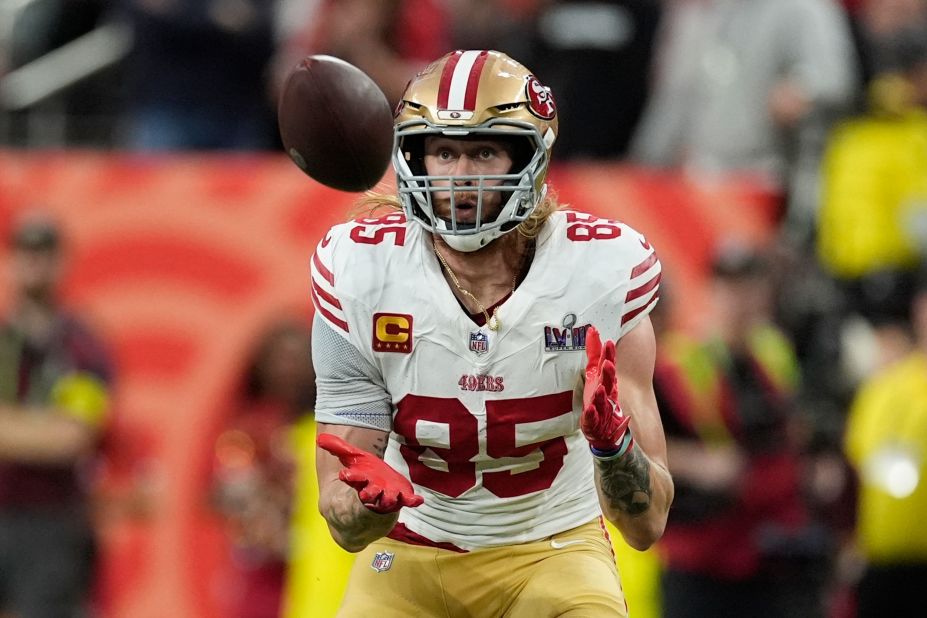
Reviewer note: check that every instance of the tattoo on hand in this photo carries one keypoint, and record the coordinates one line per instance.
(626, 482)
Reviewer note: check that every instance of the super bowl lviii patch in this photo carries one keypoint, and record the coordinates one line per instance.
(567, 338)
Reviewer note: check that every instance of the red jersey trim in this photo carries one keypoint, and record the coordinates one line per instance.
(328, 314)
(630, 315)
(641, 268)
(334, 302)
(317, 262)
(644, 289)
(402, 534)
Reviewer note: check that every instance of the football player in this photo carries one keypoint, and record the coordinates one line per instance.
(469, 344)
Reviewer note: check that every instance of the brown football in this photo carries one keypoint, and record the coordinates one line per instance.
(335, 123)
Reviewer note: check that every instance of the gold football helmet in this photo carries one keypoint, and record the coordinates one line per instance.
(482, 94)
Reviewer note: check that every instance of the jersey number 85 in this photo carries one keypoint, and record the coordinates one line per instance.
(502, 419)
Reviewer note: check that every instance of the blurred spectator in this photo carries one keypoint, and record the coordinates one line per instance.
(387, 39)
(810, 310)
(879, 21)
(872, 21)
(196, 77)
(847, 311)
(749, 87)
(53, 407)
(872, 230)
(886, 440)
(595, 57)
(874, 210)
(255, 466)
(739, 541)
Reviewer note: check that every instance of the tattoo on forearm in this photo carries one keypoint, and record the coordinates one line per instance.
(379, 447)
(625, 482)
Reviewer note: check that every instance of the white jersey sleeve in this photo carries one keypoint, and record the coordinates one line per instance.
(349, 387)
(349, 390)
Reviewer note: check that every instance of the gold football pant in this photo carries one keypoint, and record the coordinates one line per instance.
(571, 574)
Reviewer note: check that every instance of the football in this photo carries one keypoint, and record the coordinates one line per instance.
(335, 123)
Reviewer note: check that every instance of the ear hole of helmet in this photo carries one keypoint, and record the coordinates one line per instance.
(521, 149)
(522, 152)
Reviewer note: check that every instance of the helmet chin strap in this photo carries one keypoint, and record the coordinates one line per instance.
(473, 242)
(466, 242)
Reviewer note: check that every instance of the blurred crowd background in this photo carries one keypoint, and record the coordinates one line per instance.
(795, 403)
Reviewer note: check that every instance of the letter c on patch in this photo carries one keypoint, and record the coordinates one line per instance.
(393, 328)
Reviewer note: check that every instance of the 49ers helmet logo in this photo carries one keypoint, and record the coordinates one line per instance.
(540, 100)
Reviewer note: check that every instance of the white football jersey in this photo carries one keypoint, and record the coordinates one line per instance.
(485, 423)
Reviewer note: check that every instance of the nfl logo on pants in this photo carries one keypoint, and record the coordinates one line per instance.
(382, 561)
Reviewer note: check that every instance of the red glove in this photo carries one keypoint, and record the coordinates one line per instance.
(379, 487)
(602, 422)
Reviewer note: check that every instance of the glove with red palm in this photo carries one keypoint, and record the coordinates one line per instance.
(379, 487)
(602, 422)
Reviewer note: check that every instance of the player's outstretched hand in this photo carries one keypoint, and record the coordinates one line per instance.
(379, 487)
(602, 422)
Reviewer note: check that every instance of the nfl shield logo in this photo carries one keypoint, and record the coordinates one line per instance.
(479, 343)
(382, 561)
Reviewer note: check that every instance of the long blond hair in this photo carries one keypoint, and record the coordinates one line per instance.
(374, 203)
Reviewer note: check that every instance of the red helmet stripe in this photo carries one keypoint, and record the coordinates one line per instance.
(460, 80)
(473, 81)
(444, 88)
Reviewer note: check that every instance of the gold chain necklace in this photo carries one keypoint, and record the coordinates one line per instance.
(491, 321)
